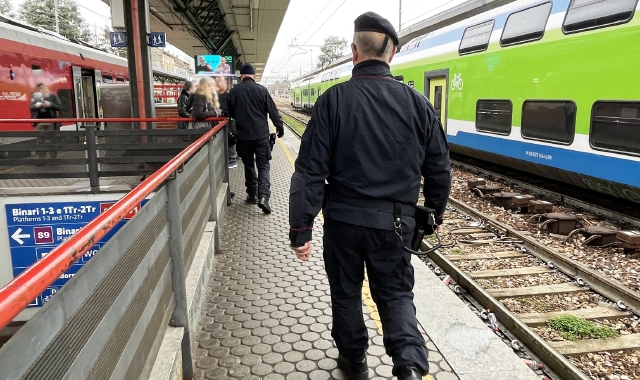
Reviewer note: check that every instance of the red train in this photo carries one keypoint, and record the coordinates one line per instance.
(31, 55)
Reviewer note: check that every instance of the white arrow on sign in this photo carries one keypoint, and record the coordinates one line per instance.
(18, 236)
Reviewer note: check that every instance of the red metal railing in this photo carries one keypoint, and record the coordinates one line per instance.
(103, 120)
(24, 288)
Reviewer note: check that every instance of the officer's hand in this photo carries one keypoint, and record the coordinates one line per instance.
(280, 133)
(303, 252)
(46, 105)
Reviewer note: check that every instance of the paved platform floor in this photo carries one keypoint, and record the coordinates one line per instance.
(267, 315)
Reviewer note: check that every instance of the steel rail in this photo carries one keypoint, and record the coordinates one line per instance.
(24, 288)
(298, 135)
(536, 190)
(555, 361)
(294, 117)
(538, 346)
(609, 288)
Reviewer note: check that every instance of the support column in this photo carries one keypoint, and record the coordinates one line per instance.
(139, 56)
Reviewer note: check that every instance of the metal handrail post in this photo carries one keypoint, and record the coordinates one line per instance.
(225, 132)
(92, 158)
(213, 193)
(180, 316)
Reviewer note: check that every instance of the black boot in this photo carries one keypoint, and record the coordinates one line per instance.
(354, 369)
(409, 373)
(264, 205)
(252, 199)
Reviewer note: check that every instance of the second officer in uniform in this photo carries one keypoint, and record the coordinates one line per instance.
(371, 139)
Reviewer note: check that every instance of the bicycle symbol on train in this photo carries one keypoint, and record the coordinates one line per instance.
(456, 82)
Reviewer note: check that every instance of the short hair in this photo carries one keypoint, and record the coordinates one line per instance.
(370, 44)
(40, 85)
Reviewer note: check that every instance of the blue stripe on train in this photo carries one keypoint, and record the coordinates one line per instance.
(607, 168)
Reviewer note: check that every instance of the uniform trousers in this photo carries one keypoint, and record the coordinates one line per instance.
(347, 250)
(256, 153)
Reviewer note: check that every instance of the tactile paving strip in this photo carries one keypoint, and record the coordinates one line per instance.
(267, 315)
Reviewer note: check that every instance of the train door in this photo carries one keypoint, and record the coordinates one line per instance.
(86, 89)
(436, 91)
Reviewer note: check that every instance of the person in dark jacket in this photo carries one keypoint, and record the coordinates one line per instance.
(205, 103)
(185, 103)
(45, 105)
(223, 98)
(371, 138)
(249, 104)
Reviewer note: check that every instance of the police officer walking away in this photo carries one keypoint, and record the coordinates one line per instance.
(371, 139)
(249, 104)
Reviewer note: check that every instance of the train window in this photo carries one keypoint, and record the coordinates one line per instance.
(36, 69)
(107, 79)
(615, 126)
(526, 25)
(494, 116)
(319, 92)
(553, 121)
(313, 92)
(476, 38)
(66, 98)
(593, 14)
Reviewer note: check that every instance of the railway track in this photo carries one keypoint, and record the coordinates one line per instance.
(291, 115)
(490, 261)
(519, 281)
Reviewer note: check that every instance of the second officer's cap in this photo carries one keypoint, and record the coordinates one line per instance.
(373, 22)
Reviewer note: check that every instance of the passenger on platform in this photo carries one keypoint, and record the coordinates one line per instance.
(249, 104)
(45, 105)
(205, 103)
(372, 156)
(185, 103)
(223, 97)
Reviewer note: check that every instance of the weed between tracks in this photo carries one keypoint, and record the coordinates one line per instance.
(298, 126)
(574, 328)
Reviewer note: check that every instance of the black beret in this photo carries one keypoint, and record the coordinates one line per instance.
(247, 68)
(373, 22)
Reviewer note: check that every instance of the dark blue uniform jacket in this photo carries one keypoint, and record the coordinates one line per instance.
(249, 103)
(369, 138)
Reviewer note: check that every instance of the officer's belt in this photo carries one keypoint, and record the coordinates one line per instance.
(398, 209)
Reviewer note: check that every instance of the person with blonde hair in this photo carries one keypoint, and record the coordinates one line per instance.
(205, 102)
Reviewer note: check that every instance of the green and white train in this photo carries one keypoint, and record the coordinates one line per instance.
(548, 87)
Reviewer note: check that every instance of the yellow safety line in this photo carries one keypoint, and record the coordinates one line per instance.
(366, 293)
(287, 153)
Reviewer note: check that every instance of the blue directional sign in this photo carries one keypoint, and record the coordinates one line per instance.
(118, 39)
(36, 228)
(157, 39)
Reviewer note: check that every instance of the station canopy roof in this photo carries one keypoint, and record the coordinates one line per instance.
(244, 29)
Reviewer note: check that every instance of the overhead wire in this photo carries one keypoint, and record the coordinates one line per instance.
(314, 20)
(314, 33)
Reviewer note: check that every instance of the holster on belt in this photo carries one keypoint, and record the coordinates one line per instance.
(272, 140)
(425, 225)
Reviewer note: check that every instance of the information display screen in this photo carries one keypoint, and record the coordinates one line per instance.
(217, 65)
